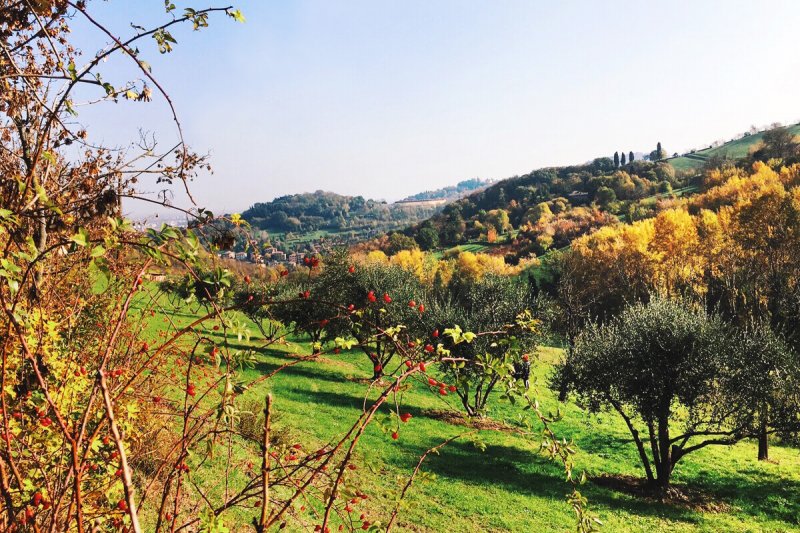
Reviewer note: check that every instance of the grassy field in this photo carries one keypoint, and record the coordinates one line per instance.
(734, 149)
(509, 486)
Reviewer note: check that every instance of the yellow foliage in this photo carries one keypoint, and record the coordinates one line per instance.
(376, 256)
(421, 264)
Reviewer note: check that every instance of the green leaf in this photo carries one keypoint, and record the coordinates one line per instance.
(99, 276)
(81, 238)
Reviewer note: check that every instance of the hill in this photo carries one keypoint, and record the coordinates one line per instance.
(451, 192)
(321, 210)
(549, 207)
(734, 149)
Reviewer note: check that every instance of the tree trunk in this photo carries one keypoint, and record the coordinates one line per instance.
(763, 443)
(664, 466)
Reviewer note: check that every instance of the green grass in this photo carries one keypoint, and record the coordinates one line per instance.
(736, 149)
(509, 486)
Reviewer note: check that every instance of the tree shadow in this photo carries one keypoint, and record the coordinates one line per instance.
(775, 498)
(527, 472)
(301, 370)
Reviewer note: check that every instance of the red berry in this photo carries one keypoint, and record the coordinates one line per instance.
(247, 279)
(422, 366)
(443, 392)
(46, 422)
(371, 296)
(409, 364)
(387, 298)
(122, 505)
(378, 368)
(435, 333)
(412, 303)
(421, 308)
(37, 499)
(452, 388)
(431, 382)
(429, 348)
(352, 269)
(190, 390)
(395, 435)
(405, 417)
(285, 273)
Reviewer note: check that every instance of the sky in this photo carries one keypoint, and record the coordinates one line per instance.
(385, 99)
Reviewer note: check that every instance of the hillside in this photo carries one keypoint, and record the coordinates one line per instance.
(549, 207)
(321, 210)
(734, 149)
(451, 192)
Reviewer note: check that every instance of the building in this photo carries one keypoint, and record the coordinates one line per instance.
(578, 197)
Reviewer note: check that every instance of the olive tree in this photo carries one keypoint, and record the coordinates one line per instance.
(765, 376)
(663, 366)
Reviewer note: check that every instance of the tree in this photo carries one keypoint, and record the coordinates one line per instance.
(492, 304)
(630, 157)
(605, 196)
(658, 154)
(658, 365)
(622, 159)
(616, 159)
(397, 241)
(498, 218)
(766, 379)
(428, 238)
(778, 143)
(380, 294)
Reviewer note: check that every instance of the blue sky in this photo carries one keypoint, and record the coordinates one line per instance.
(388, 98)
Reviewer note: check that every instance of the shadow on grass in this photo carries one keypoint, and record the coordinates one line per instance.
(761, 494)
(751, 491)
(305, 370)
(526, 471)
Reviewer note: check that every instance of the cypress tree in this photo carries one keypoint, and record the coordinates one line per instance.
(616, 159)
